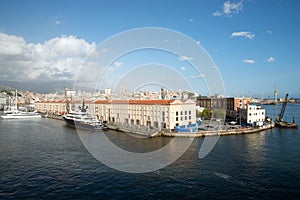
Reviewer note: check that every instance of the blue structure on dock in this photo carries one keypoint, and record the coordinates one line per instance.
(188, 128)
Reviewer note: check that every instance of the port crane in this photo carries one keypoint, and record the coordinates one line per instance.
(279, 121)
(280, 116)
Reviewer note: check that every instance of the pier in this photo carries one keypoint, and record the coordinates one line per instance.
(219, 132)
(145, 132)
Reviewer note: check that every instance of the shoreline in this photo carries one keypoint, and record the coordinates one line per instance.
(219, 133)
(183, 134)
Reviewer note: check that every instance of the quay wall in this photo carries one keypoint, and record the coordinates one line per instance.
(216, 132)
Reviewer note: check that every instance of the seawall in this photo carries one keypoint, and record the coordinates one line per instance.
(218, 132)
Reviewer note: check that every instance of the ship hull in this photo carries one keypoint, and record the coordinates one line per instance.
(17, 116)
(82, 125)
(286, 125)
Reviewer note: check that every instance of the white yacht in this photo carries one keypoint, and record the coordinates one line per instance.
(21, 115)
(83, 119)
(79, 119)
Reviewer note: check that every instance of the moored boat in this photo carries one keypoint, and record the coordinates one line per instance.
(283, 124)
(83, 120)
(21, 115)
(286, 125)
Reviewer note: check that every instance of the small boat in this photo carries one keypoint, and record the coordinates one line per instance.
(21, 115)
(232, 123)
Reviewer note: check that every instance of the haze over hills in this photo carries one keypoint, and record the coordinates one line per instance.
(40, 87)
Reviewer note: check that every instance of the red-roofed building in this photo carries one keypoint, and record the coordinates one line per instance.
(159, 114)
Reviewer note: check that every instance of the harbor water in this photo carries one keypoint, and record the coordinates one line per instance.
(44, 159)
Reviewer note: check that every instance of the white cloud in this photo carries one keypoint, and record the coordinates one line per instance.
(229, 9)
(271, 59)
(57, 21)
(245, 34)
(184, 58)
(183, 68)
(56, 59)
(249, 61)
(197, 76)
(11, 45)
(190, 20)
(269, 32)
(118, 64)
(217, 14)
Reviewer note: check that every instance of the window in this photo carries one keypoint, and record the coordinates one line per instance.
(176, 119)
(176, 113)
(181, 112)
(190, 112)
(185, 112)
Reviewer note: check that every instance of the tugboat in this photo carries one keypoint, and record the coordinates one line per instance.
(283, 124)
(83, 119)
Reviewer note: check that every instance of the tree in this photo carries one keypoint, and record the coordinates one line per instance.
(206, 114)
(219, 113)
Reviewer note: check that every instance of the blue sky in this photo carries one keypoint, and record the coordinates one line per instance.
(254, 43)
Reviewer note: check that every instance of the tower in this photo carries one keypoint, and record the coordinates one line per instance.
(275, 94)
(162, 93)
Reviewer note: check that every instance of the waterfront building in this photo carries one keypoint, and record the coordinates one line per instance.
(216, 103)
(159, 114)
(230, 104)
(241, 102)
(252, 114)
(3, 98)
(57, 107)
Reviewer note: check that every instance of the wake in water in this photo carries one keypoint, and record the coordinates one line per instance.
(229, 178)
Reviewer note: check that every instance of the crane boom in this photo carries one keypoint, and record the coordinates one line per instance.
(280, 116)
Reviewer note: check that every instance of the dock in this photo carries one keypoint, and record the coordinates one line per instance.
(134, 129)
(218, 132)
(146, 132)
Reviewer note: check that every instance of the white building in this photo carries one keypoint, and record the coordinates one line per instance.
(253, 114)
(107, 91)
(159, 114)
